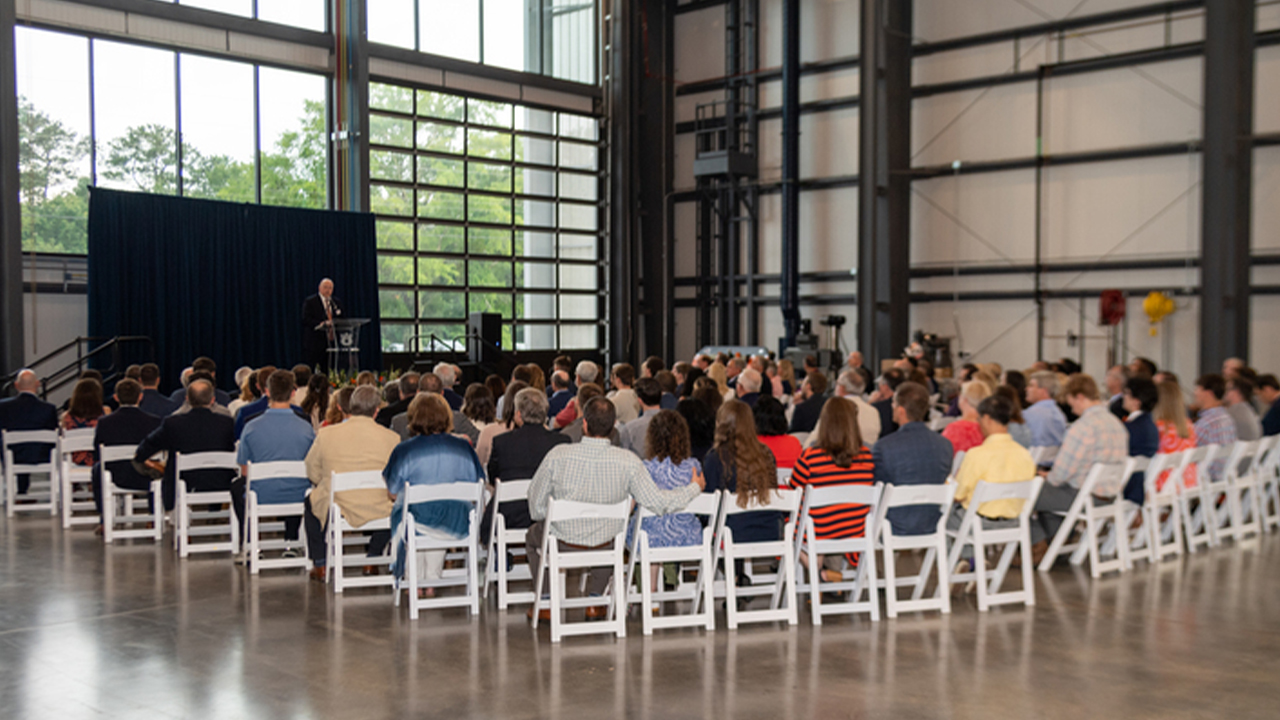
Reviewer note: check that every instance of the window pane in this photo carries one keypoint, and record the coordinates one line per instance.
(578, 277)
(53, 122)
(217, 129)
(579, 217)
(579, 307)
(386, 165)
(390, 97)
(391, 22)
(309, 14)
(504, 34)
(579, 187)
(390, 131)
(396, 303)
(440, 271)
(441, 105)
(244, 8)
(578, 156)
(535, 244)
(577, 126)
(384, 200)
(434, 304)
(535, 150)
(537, 212)
(440, 205)
(534, 120)
(450, 28)
(485, 143)
(395, 269)
(446, 337)
(579, 337)
(395, 337)
(441, 238)
(535, 182)
(486, 112)
(536, 337)
(536, 275)
(492, 303)
(490, 273)
(578, 247)
(294, 152)
(539, 306)
(438, 171)
(484, 176)
(487, 241)
(573, 40)
(394, 235)
(133, 93)
(496, 210)
(440, 138)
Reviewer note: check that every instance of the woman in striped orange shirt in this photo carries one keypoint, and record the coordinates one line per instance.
(837, 457)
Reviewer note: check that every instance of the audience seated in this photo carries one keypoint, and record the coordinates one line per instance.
(1175, 430)
(741, 464)
(276, 435)
(701, 422)
(431, 456)
(198, 430)
(849, 387)
(837, 457)
(128, 425)
(517, 454)
(249, 392)
(251, 410)
(186, 406)
(587, 372)
(667, 382)
(1018, 429)
(1239, 404)
(205, 365)
(354, 444)
(462, 427)
(1213, 424)
(808, 402)
(671, 467)
(27, 411)
(595, 472)
(1097, 437)
(633, 433)
(84, 411)
(1116, 380)
(1140, 398)
(882, 399)
(622, 379)
(478, 406)
(448, 378)
(1047, 422)
(965, 433)
(301, 384)
(152, 401)
(771, 429)
(1269, 393)
(560, 394)
(506, 421)
(408, 385)
(748, 386)
(563, 364)
(914, 455)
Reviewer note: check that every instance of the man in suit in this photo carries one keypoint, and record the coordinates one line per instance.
(1140, 397)
(28, 412)
(811, 398)
(153, 402)
(883, 400)
(518, 453)
(1116, 379)
(319, 309)
(408, 388)
(912, 455)
(129, 425)
(200, 430)
(448, 378)
(201, 364)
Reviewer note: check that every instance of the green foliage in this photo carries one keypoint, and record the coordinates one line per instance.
(48, 153)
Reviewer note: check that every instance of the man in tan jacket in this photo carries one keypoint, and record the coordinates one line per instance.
(357, 443)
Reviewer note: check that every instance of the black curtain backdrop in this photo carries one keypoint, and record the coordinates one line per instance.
(226, 280)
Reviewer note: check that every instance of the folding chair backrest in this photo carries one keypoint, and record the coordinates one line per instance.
(787, 501)
(706, 504)
(277, 469)
(1044, 454)
(939, 494)
(509, 490)
(78, 440)
(356, 480)
(472, 492)
(116, 453)
(1266, 455)
(956, 462)
(22, 437)
(784, 477)
(1025, 490)
(205, 461)
(824, 496)
(1104, 477)
(1242, 454)
(572, 510)
(1158, 465)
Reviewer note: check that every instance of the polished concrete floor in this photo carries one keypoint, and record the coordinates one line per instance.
(130, 631)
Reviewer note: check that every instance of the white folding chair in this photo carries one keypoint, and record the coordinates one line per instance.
(783, 584)
(504, 540)
(255, 511)
(1238, 515)
(698, 594)
(75, 482)
(1096, 511)
(956, 462)
(466, 577)
(1197, 531)
(556, 561)
(1161, 511)
(1269, 483)
(341, 533)
(43, 493)
(221, 522)
(854, 582)
(934, 544)
(1015, 538)
(1044, 454)
(120, 505)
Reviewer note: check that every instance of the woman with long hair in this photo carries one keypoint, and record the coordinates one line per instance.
(720, 377)
(707, 394)
(477, 405)
(316, 404)
(690, 381)
(741, 464)
(339, 405)
(701, 421)
(484, 445)
(248, 393)
(837, 457)
(83, 411)
(787, 374)
(497, 387)
(1176, 431)
(539, 378)
(671, 466)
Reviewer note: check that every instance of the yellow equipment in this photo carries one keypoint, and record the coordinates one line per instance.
(1158, 306)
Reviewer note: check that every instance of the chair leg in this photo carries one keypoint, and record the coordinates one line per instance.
(1028, 577)
(891, 581)
(980, 572)
(646, 588)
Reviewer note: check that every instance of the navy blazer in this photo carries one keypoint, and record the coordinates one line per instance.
(28, 412)
(885, 408)
(913, 455)
(1271, 421)
(179, 396)
(129, 425)
(198, 430)
(1144, 441)
(516, 455)
(154, 403)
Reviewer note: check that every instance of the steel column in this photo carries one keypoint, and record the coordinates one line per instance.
(350, 127)
(1227, 182)
(11, 328)
(884, 202)
(623, 307)
(790, 294)
(653, 125)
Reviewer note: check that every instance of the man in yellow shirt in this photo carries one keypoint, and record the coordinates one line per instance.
(999, 459)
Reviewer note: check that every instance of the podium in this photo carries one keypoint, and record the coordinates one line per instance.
(346, 342)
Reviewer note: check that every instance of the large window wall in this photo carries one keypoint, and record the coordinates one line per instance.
(485, 206)
(308, 14)
(99, 112)
(548, 37)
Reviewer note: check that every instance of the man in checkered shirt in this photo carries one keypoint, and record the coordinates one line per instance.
(1214, 425)
(594, 471)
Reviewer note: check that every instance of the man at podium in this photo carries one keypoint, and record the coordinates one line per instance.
(318, 313)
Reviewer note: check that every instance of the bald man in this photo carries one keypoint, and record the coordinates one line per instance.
(28, 412)
(319, 311)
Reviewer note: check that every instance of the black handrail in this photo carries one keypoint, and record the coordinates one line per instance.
(70, 372)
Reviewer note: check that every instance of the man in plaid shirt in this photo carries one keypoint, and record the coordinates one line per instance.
(594, 471)
(1097, 437)
(1214, 426)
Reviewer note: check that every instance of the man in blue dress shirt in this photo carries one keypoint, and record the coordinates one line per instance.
(1044, 417)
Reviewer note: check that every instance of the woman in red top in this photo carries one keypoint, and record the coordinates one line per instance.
(837, 457)
(965, 433)
(771, 429)
(83, 412)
